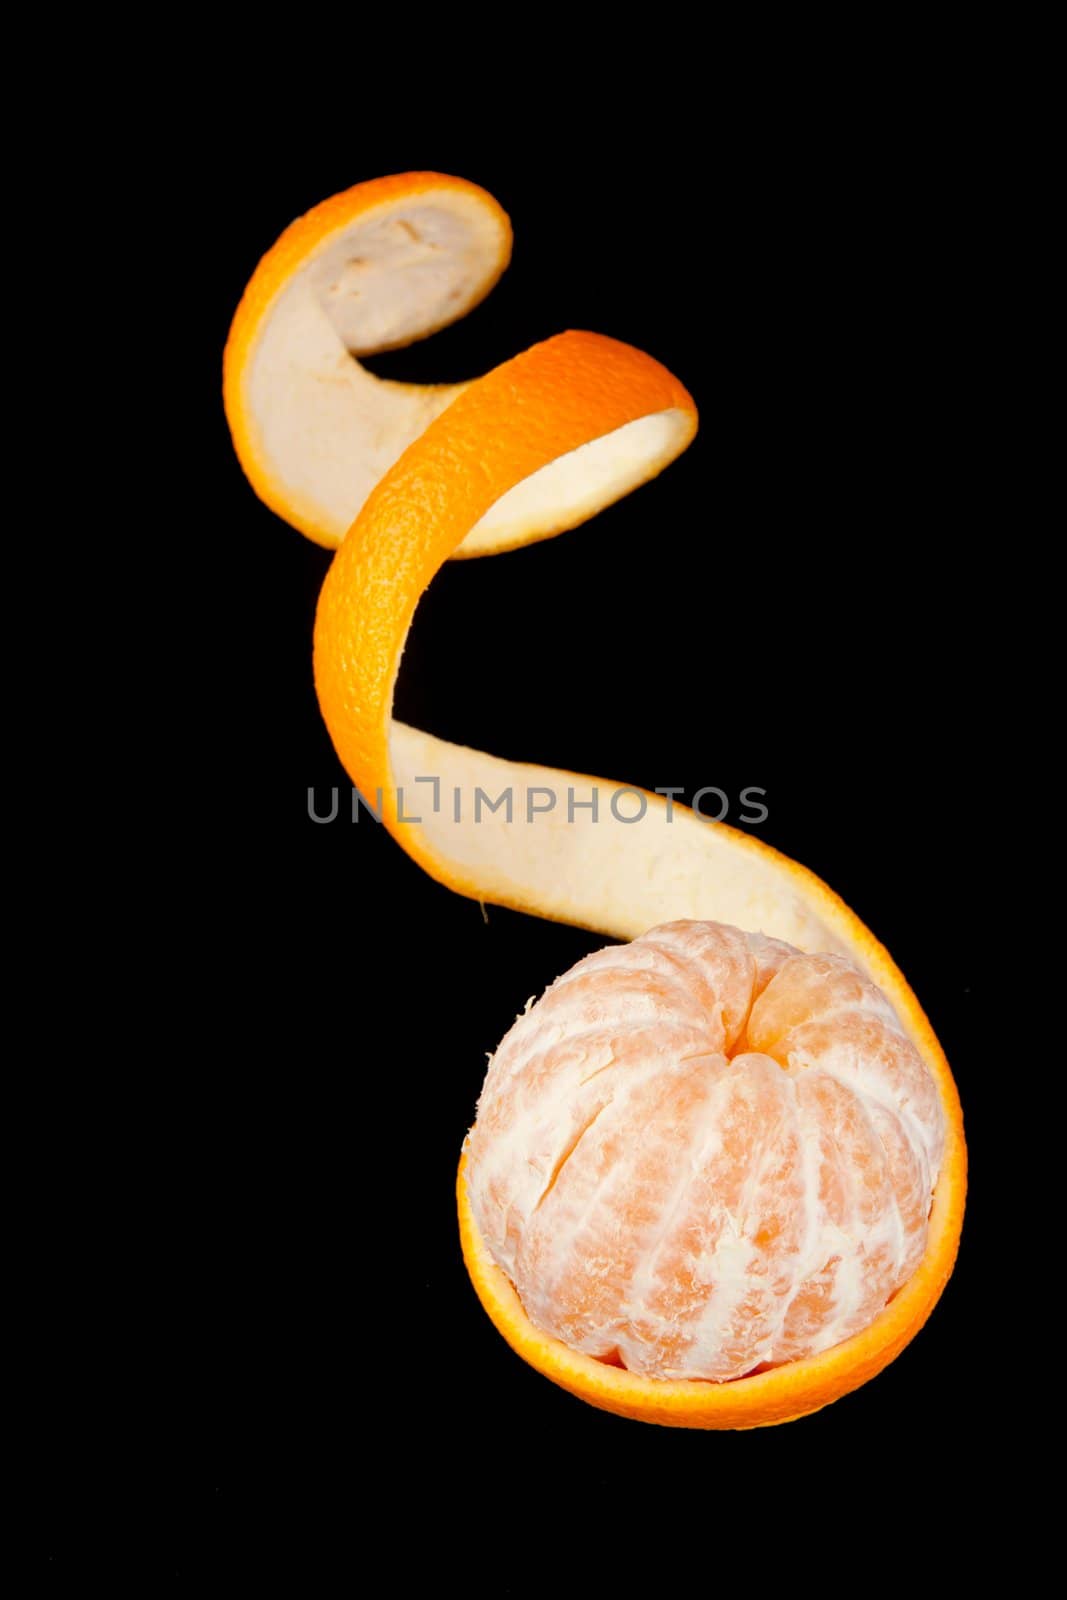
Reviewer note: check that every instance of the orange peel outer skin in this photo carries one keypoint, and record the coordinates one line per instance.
(554, 398)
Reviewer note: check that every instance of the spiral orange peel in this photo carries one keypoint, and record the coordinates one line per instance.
(417, 474)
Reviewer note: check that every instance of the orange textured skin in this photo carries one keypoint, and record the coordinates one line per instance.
(551, 400)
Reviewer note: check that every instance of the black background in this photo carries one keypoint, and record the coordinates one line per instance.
(790, 605)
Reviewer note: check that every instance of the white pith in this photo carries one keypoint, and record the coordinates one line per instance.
(580, 483)
(326, 429)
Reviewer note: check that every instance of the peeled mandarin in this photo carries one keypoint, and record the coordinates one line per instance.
(705, 1153)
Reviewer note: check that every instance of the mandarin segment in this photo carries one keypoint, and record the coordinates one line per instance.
(820, 1011)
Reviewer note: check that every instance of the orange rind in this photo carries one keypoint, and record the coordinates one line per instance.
(426, 473)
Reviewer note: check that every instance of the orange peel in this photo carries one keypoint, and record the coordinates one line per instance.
(425, 473)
